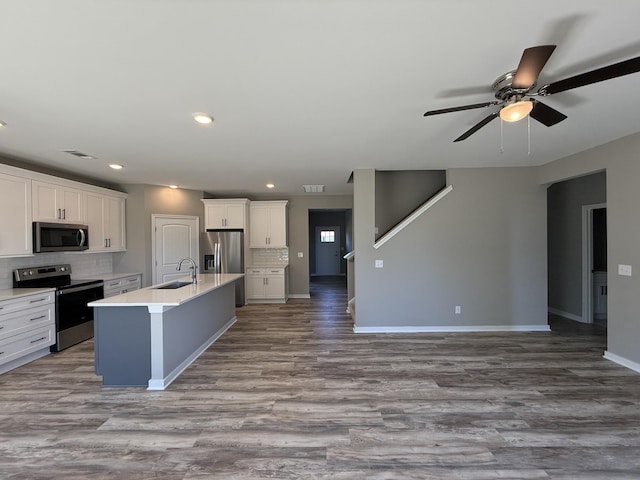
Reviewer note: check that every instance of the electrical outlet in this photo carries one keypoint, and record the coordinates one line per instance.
(624, 270)
(300, 254)
(379, 264)
(458, 310)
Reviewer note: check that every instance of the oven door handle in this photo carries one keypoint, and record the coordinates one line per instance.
(80, 288)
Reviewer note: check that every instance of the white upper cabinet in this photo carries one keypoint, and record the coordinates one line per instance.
(225, 213)
(56, 203)
(15, 216)
(105, 218)
(268, 222)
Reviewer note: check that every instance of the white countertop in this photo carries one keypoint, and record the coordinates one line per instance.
(12, 293)
(152, 296)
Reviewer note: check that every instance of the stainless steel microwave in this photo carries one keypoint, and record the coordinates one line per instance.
(59, 237)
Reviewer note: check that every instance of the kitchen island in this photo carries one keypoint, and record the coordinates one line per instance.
(149, 336)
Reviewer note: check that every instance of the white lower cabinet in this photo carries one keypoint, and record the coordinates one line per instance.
(118, 286)
(266, 285)
(27, 328)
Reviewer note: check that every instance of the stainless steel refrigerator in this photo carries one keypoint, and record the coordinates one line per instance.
(222, 251)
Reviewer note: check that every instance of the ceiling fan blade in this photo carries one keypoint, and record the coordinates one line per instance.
(531, 64)
(477, 127)
(545, 114)
(594, 76)
(463, 107)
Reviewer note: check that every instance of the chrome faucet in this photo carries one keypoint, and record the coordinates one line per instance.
(193, 267)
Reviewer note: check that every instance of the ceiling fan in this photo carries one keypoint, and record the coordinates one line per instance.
(516, 95)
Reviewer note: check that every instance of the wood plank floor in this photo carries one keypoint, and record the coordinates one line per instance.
(291, 393)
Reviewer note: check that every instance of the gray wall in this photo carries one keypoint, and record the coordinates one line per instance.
(399, 193)
(144, 201)
(564, 226)
(620, 160)
(482, 247)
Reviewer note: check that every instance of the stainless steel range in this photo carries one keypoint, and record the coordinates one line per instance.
(74, 320)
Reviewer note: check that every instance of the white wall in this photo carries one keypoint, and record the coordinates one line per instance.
(482, 247)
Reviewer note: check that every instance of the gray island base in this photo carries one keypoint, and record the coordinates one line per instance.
(148, 337)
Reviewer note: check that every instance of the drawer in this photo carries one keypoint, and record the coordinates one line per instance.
(132, 283)
(274, 271)
(25, 343)
(22, 303)
(122, 285)
(19, 322)
(256, 271)
(113, 284)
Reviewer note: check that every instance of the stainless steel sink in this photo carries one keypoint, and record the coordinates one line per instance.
(173, 285)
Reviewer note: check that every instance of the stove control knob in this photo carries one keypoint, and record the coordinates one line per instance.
(30, 272)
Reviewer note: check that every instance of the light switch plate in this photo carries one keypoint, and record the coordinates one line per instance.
(379, 263)
(624, 270)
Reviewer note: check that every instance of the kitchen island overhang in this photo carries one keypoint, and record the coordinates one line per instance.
(148, 337)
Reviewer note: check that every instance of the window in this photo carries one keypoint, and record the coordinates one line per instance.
(327, 236)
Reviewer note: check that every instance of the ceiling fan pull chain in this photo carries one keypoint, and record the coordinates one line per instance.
(529, 135)
(501, 136)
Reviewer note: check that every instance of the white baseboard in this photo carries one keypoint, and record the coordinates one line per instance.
(561, 313)
(622, 361)
(163, 383)
(453, 329)
(299, 295)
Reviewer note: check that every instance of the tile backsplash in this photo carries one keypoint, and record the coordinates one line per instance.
(270, 256)
(82, 264)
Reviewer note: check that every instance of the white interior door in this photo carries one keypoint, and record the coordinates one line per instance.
(328, 250)
(175, 237)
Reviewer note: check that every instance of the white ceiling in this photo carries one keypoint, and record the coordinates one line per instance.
(302, 91)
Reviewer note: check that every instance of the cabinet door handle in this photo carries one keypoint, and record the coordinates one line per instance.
(38, 318)
(1, 353)
(38, 340)
(60, 214)
(1, 328)
(64, 213)
(37, 300)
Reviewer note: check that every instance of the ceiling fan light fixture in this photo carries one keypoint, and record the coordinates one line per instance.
(202, 118)
(516, 111)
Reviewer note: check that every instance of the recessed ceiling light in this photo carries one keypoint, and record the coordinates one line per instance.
(270, 185)
(2, 124)
(203, 118)
(116, 166)
(173, 186)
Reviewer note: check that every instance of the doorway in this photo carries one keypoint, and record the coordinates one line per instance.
(328, 250)
(174, 237)
(570, 246)
(594, 263)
